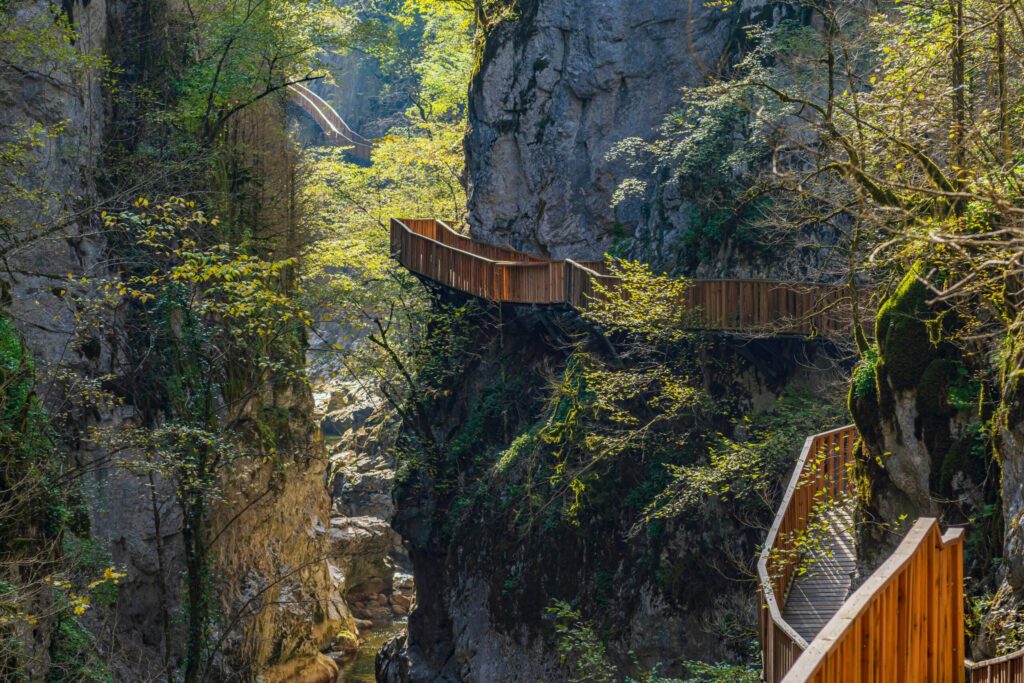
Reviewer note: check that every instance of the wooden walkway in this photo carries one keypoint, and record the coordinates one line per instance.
(433, 250)
(330, 122)
(904, 624)
(828, 571)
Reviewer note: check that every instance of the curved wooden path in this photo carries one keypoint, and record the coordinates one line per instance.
(330, 122)
(905, 623)
(432, 249)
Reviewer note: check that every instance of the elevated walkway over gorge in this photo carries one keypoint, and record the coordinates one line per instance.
(330, 122)
(905, 623)
(432, 249)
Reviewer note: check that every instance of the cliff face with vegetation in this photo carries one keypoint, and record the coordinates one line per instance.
(71, 131)
(560, 89)
(513, 532)
(556, 88)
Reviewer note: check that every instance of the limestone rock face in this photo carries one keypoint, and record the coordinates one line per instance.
(919, 420)
(274, 564)
(1010, 446)
(361, 546)
(484, 579)
(62, 173)
(555, 91)
(52, 235)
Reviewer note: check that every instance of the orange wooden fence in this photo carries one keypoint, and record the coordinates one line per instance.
(1006, 669)
(821, 476)
(333, 126)
(905, 624)
(431, 248)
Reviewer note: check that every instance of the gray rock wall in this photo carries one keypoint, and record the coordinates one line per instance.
(555, 91)
(272, 559)
(56, 236)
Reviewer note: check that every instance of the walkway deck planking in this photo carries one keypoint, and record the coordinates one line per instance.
(818, 593)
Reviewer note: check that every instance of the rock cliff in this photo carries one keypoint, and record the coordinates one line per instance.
(491, 551)
(280, 600)
(555, 90)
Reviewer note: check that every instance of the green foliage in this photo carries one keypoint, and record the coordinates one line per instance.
(748, 471)
(446, 62)
(424, 50)
(47, 573)
(642, 304)
(223, 333)
(902, 329)
(37, 41)
(585, 657)
(349, 280)
(88, 559)
(580, 648)
(997, 615)
(484, 416)
(700, 672)
(74, 656)
(710, 150)
(862, 383)
(602, 411)
(242, 51)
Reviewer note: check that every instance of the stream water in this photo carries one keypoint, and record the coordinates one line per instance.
(361, 668)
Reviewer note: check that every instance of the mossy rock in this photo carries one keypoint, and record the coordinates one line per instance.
(901, 328)
(932, 396)
(865, 409)
(966, 455)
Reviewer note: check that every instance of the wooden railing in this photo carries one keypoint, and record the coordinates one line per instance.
(905, 623)
(432, 249)
(333, 126)
(1006, 669)
(821, 476)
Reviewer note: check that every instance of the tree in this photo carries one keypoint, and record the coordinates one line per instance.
(208, 330)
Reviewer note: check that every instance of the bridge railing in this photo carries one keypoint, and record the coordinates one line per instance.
(821, 476)
(440, 231)
(905, 623)
(1006, 669)
(581, 279)
(504, 274)
(748, 305)
(333, 126)
(420, 246)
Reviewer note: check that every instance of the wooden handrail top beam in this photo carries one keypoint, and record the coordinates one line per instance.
(348, 130)
(527, 258)
(477, 257)
(995, 661)
(924, 532)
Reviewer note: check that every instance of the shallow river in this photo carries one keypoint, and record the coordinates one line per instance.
(361, 669)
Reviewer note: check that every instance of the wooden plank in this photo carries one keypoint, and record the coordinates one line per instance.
(740, 305)
(894, 616)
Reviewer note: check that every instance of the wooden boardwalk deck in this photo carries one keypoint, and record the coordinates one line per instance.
(432, 249)
(818, 593)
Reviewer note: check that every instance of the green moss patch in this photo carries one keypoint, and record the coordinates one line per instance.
(901, 329)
